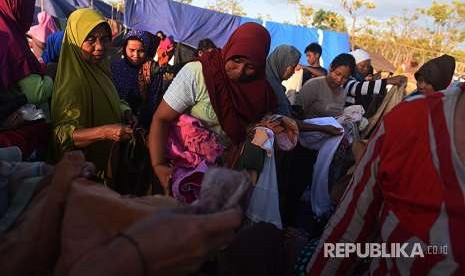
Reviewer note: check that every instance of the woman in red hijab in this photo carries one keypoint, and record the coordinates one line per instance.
(226, 89)
(21, 77)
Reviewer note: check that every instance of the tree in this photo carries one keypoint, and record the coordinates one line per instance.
(355, 8)
(329, 20)
(448, 30)
(402, 40)
(231, 7)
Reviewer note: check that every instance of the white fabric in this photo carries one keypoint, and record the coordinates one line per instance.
(353, 113)
(293, 85)
(264, 202)
(327, 146)
(360, 55)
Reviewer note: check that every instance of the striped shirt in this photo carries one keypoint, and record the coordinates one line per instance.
(355, 89)
(409, 187)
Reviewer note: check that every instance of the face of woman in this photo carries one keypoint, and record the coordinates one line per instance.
(338, 76)
(95, 45)
(240, 69)
(363, 67)
(135, 52)
(289, 72)
(423, 86)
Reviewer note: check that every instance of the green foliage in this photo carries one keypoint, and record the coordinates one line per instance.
(402, 39)
(329, 20)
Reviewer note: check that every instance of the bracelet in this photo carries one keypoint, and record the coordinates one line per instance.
(139, 252)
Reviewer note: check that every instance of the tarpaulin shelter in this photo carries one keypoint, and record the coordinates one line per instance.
(189, 24)
(62, 8)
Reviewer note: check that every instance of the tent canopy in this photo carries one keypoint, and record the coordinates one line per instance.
(189, 24)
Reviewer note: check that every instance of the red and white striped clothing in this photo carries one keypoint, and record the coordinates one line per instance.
(409, 187)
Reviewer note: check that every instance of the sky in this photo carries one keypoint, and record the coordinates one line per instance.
(280, 11)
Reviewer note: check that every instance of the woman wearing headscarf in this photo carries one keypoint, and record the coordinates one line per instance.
(280, 66)
(134, 77)
(226, 89)
(86, 110)
(435, 75)
(20, 70)
(21, 76)
(39, 33)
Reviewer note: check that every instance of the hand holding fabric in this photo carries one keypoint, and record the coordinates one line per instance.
(117, 132)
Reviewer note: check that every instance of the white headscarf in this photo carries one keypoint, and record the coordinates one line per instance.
(360, 55)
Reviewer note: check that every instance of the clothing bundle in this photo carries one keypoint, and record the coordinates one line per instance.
(191, 149)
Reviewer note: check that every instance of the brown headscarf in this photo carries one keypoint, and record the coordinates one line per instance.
(239, 104)
(438, 72)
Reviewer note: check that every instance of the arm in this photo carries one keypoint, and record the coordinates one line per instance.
(356, 88)
(179, 97)
(355, 219)
(86, 136)
(158, 137)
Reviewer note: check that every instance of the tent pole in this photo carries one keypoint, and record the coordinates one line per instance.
(41, 5)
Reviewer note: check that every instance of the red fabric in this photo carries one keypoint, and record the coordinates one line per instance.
(239, 105)
(16, 59)
(28, 138)
(402, 194)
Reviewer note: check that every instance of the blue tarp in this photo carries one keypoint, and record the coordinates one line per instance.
(189, 24)
(334, 43)
(185, 23)
(62, 8)
(296, 36)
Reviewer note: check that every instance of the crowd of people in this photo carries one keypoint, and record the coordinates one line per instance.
(131, 165)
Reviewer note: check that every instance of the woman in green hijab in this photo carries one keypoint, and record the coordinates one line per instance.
(86, 110)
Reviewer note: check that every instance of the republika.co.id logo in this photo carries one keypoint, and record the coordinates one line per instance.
(381, 250)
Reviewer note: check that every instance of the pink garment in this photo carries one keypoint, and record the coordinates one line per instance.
(191, 150)
(166, 44)
(45, 27)
(189, 143)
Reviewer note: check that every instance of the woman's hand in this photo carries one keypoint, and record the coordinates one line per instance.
(397, 80)
(117, 132)
(164, 173)
(129, 118)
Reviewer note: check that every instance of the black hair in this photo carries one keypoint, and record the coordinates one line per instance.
(343, 60)
(314, 48)
(206, 44)
(162, 34)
